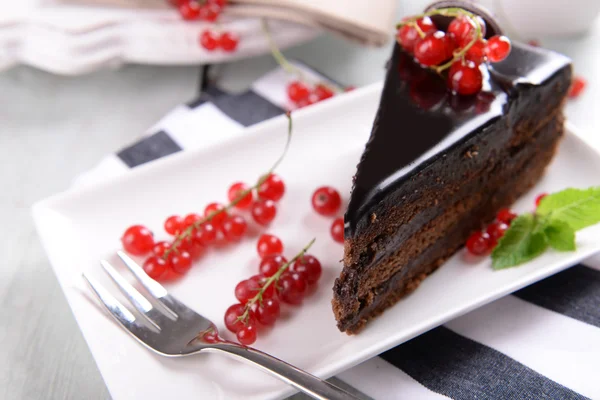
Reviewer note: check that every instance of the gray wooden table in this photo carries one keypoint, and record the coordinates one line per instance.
(53, 128)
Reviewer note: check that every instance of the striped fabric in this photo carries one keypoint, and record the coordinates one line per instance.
(542, 342)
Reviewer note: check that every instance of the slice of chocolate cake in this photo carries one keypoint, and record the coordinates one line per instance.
(439, 166)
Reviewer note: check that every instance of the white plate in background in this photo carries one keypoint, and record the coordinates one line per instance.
(83, 225)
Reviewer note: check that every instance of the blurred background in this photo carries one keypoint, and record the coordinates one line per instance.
(82, 79)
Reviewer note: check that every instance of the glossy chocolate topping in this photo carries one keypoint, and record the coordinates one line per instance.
(419, 120)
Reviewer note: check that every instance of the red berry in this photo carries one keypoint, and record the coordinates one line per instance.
(349, 88)
(337, 230)
(476, 53)
(173, 224)
(155, 267)
(209, 12)
(247, 335)
(297, 91)
(190, 220)
(539, 199)
(434, 49)
(577, 87)
(217, 217)
(269, 291)
(160, 248)
(272, 188)
(138, 240)
(209, 40)
(189, 10)
(268, 312)
(268, 244)
(498, 48)
(292, 288)
(271, 264)
(220, 3)
(246, 290)
(194, 248)
(264, 211)
(309, 267)
(462, 29)
(505, 216)
(206, 234)
(323, 92)
(495, 231)
(233, 313)
(234, 192)
(180, 261)
(234, 228)
(312, 99)
(465, 78)
(326, 200)
(229, 41)
(408, 36)
(478, 243)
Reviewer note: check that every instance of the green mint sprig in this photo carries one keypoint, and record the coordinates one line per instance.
(553, 224)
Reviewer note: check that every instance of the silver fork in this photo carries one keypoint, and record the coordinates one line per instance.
(177, 330)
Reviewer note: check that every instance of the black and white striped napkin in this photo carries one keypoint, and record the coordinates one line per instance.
(542, 342)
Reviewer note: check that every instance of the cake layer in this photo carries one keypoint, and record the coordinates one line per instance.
(427, 238)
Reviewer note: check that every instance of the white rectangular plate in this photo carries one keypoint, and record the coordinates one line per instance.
(82, 226)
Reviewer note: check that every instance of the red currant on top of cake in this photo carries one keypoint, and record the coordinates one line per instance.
(467, 123)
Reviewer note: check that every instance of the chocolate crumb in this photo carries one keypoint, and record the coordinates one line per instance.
(373, 217)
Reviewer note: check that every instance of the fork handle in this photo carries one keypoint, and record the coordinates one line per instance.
(303, 381)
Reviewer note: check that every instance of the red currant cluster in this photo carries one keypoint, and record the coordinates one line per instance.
(482, 243)
(327, 201)
(194, 233)
(303, 95)
(278, 281)
(462, 49)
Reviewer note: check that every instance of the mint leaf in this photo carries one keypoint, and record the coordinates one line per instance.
(523, 241)
(579, 208)
(560, 235)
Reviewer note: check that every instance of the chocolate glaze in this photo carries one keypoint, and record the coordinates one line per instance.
(418, 121)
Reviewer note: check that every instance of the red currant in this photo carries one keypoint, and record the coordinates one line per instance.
(234, 192)
(180, 261)
(209, 12)
(476, 53)
(217, 217)
(160, 248)
(326, 200)
(233, 313)
(271, 264)
(498, 48)
(337, 230)
(309, 267)
(246, 290)
(268, 245)
(272, 188)
(465, 78)
(173, 224)
(189, 10)
(495, 231)
(349, 88)
(478, 243)
(577, 87)
(190, 220)
(408, 35)
(229, 41)
(247, 335)
(506, 216)
(234, 228)
(292, 288)
(268, 312)
(155, 267)
(297, 91)
(206, 234)
(462, 29)
(264, 211)
(539, 198)
(191, 246)
(209, 40)
(434, 49)
(220, 3)
(269, 291)
(322, 92)
(138, 240)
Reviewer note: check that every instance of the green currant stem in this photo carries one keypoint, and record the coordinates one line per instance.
(187, 232)
(285, 64)
(272, 280)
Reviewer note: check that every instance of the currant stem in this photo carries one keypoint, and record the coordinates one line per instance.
(274, 278)
(196, 225)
